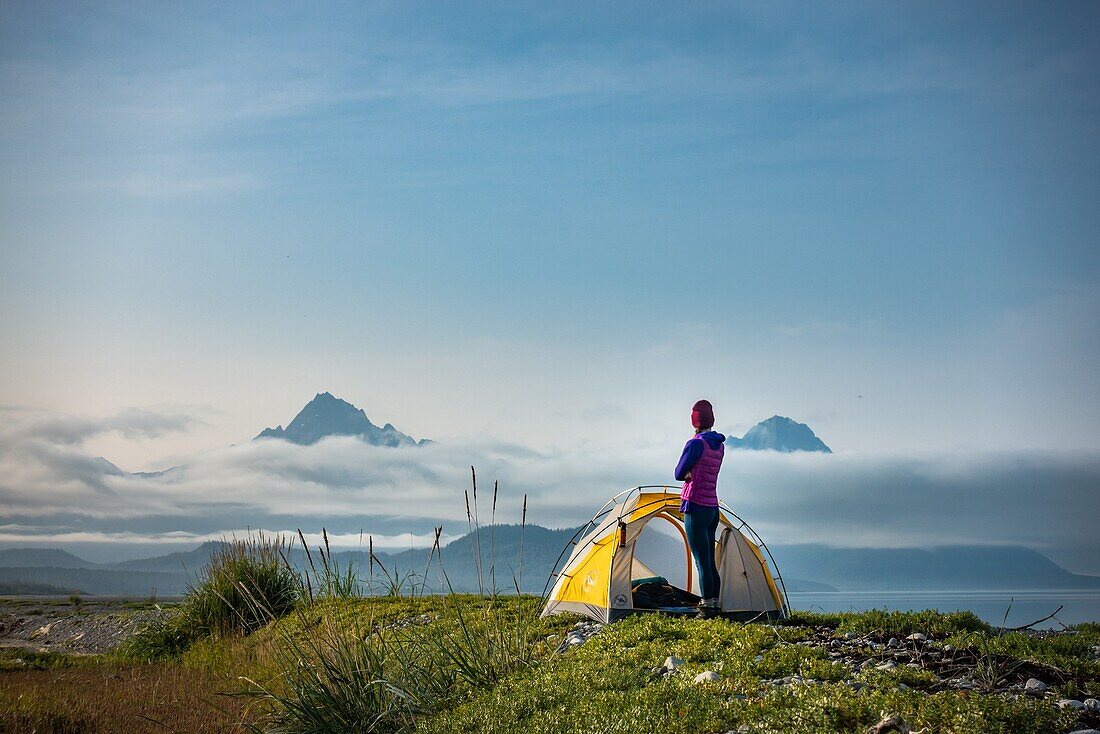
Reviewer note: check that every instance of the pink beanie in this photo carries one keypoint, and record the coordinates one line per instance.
(702, 414)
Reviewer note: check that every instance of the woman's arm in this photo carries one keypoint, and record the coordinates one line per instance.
(692, 451)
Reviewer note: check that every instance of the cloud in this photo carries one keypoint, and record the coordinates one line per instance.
(21, 425)
(46, 535)
(50, 489)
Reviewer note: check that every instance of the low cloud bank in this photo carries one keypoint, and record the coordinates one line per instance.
(53, 492)
(21, 425)
(1037, 499)
(26, 535)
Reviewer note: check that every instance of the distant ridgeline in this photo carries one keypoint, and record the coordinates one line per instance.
(949, 567)
(326, 415)
(779, 434)
(804, 567)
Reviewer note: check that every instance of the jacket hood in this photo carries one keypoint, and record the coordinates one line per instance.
(714, 439)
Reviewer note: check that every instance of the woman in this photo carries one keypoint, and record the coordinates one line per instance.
(698, 470)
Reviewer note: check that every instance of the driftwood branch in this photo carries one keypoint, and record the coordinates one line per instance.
(1037, 621)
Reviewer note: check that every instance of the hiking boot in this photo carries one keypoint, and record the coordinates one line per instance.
(708, 609)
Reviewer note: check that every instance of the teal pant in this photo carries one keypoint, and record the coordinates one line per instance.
(700, 524)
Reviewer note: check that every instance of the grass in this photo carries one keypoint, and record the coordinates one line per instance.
(342, 678)
(1066, 657)
(164, 637)
(381, 664)
(24, 659)
(118, 698)
(331, 581)
(606, 686)
(887, 623)
(464, 663)
(247, 584)
(482, 644)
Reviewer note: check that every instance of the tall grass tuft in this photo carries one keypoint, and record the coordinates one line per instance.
(246, 584)
(353, 675)
(434, 553)
(522, 532)
(163, 637)
(333, 582)
(992, 669)
(351, 679)
(343, 677)
(493, 542)
(482, 645)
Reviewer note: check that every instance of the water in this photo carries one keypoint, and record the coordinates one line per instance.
(1023, 607)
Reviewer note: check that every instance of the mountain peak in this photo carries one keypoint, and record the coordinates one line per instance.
(328, 415)
(107, 467)
(779, 433)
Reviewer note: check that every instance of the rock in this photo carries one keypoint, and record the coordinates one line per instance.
(888, 665)
(892, 642)
(707, 676)
(1093, 705)
(891, 723)
(1085, 731)
(851, 635)
(658, 671)
(1071, 703)
(1035, 687)
(672, 662)
(917, 637)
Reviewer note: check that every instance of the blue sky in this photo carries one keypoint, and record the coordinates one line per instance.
(556, 226)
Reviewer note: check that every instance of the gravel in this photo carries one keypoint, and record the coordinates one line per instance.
(81, 629)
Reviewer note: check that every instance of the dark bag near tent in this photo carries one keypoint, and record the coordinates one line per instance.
(660, 594)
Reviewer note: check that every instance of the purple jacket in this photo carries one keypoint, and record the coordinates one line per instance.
(702, 457)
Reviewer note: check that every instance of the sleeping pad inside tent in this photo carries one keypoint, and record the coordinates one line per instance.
(633, 557)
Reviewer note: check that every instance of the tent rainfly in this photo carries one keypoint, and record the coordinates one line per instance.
(600, 577)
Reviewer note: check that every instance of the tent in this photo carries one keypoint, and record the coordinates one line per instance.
(605, 570)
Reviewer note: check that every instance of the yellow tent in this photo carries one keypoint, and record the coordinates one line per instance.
(598, 579)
